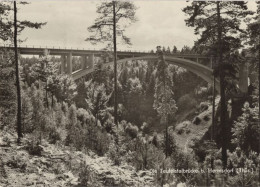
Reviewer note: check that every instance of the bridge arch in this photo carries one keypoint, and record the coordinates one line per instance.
(202, 71)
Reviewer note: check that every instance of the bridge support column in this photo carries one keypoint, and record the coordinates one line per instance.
(90, 61)
(69, 63)
(84, 62)
(243, 77)
(63, 64)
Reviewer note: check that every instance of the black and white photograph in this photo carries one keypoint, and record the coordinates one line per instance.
(129, 93)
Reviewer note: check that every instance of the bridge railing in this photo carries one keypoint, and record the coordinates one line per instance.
(67, 48)
(184, 55)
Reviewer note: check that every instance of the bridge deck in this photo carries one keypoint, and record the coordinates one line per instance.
(24, 50)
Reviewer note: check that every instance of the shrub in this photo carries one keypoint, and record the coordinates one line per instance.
(163, 178)
(238, 159)
(131, 130)
(183, 127)
(54, 136)
(103, 141)
(17, 161)
(145, 128)
(203, 92)
(33, 147)
(196, 120)
(184, 161)
(7, 141)
(87, 177)
(206, 118)
(113, 154)
(204, 106)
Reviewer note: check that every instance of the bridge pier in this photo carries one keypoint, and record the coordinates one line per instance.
(87, 61)
(83, 62)
(63, 64)
(90, 61)
(69, 63)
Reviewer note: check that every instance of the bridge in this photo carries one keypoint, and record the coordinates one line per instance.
(192, 62)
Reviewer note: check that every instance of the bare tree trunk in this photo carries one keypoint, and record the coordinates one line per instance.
(259, 100)
(166, 140)
(213, 109)
(115, 63)
(18, 87)
(47, 102)
(52, 100)
(223, 106)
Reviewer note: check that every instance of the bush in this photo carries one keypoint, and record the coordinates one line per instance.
(87, 177)
(114, 155)
(33, 147)
(206, 118)
(204, 106)
(196, 120)
(17, 162)
(54, 136)
(131, 130)
(145, 128)
(103, 141)
(184, 161)
(163, 178)
(183, 127)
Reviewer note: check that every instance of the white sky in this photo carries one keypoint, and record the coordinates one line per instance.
(160, 23)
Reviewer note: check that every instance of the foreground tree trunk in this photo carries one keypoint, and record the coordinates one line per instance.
(19, 124)
(223, 106)
(115, 63)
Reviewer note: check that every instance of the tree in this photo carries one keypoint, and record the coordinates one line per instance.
(174, 50)
(218, 24)
(168, 50)
(45, 71)
(7, 90)
(113, 17)
(96, 99)
(164, 102)
(186, 49)
(254, 41)
(7, 34)
(66, 88)
(246, 130)
(163, 49)
(19, 103)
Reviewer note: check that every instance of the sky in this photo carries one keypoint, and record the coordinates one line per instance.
(159, 23)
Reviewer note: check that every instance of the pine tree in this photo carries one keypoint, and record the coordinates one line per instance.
(246, 130)
(113, 17)
(168, 50)
(45, 71)
(7, 90)
(96, 100)
(218, 29)
(6, 34)
(174, 50)
(164, 102)
(254, 41)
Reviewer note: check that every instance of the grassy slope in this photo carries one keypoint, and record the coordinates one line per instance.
(185, 139)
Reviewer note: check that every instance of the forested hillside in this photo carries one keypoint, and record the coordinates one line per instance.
(136, 123)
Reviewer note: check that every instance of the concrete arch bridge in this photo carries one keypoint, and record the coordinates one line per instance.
(192, 62)
(203, 71)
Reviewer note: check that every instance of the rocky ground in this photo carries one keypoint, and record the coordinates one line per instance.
(61, 166)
